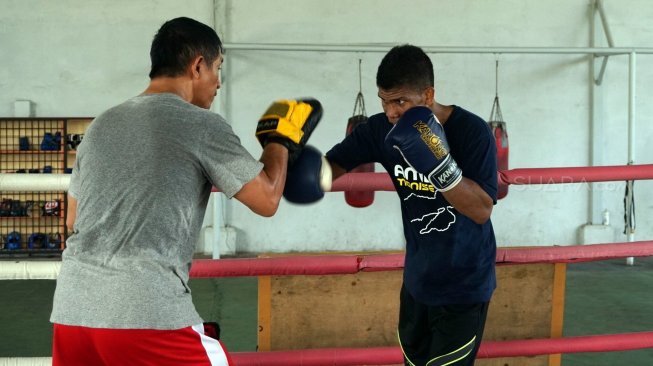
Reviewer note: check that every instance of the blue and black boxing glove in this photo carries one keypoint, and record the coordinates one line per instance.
(308, 178)
(421, 141)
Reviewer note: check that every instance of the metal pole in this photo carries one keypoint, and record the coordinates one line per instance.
(598, 51)
(604, 21)
(598, 5)
(218, 204)
(630, 232)
(632, 96)
(596, 123)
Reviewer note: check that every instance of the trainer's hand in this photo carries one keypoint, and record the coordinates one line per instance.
(420, 139)
(289, 123)
(308, 178)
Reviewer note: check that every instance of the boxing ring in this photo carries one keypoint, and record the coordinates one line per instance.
(305, 265)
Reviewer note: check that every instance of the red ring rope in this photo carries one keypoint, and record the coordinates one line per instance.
(295, 265)
(576, 175)
(347, 264)
(382, 181)
(489, 349)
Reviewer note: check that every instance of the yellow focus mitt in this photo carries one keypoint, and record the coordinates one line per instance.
(290, 123)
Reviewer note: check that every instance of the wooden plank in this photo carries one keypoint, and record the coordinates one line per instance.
(520, 309)
(361, 310)
(264, 313)
(558, 308)
(356, 310)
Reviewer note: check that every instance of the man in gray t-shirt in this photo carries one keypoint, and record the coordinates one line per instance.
(137, 198)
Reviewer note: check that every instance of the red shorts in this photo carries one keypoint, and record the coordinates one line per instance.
(73, 346)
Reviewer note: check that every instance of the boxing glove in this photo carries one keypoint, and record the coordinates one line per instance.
(290, 123)
(421, 140)
(308, 178)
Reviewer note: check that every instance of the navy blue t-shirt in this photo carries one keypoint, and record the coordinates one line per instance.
(449, 258)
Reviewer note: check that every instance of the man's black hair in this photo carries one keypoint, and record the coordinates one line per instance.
(405, 66)
(178, 42)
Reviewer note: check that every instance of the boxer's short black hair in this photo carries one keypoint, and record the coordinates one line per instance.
(178, 42)
(405, 66)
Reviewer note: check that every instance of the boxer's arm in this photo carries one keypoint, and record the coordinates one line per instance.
(283, 130)
(471, 200)
(336, 170)
(358, 147)
(421, 140)
(263, 193)
(71, 213)
(467, 197)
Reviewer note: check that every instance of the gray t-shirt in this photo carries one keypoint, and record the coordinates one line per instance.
(142, 179)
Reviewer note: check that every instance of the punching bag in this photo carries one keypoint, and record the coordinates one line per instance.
(500, 133)
(359, 198)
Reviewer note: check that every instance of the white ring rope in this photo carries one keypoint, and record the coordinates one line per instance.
(30, 270)
(26, 361)
(12, 182)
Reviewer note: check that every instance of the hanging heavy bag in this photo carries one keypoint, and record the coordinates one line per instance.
(359, 198)
(500, 133)
(501, 139)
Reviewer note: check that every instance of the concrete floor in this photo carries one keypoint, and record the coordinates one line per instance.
(601, 298)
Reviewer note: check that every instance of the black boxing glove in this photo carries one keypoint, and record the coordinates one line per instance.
(308, 178)
(420, 139)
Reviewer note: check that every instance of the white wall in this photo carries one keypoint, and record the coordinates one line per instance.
(77, 58)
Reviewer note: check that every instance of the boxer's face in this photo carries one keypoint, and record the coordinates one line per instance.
(207, 83)
(396, 101)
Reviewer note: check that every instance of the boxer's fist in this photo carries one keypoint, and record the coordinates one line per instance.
(290, 123)
(420, 139)
(308, 178)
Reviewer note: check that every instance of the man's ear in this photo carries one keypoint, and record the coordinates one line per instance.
(429, 95)
(195, 67)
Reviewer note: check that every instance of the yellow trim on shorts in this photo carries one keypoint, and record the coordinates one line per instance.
(402, 350)
(453, 352)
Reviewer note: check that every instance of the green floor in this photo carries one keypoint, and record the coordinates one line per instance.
(609, 297)
(601, 298)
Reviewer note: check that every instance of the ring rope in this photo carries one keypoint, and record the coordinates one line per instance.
(382, 181)
(349, 264)
(488, 349)
(393, 355)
